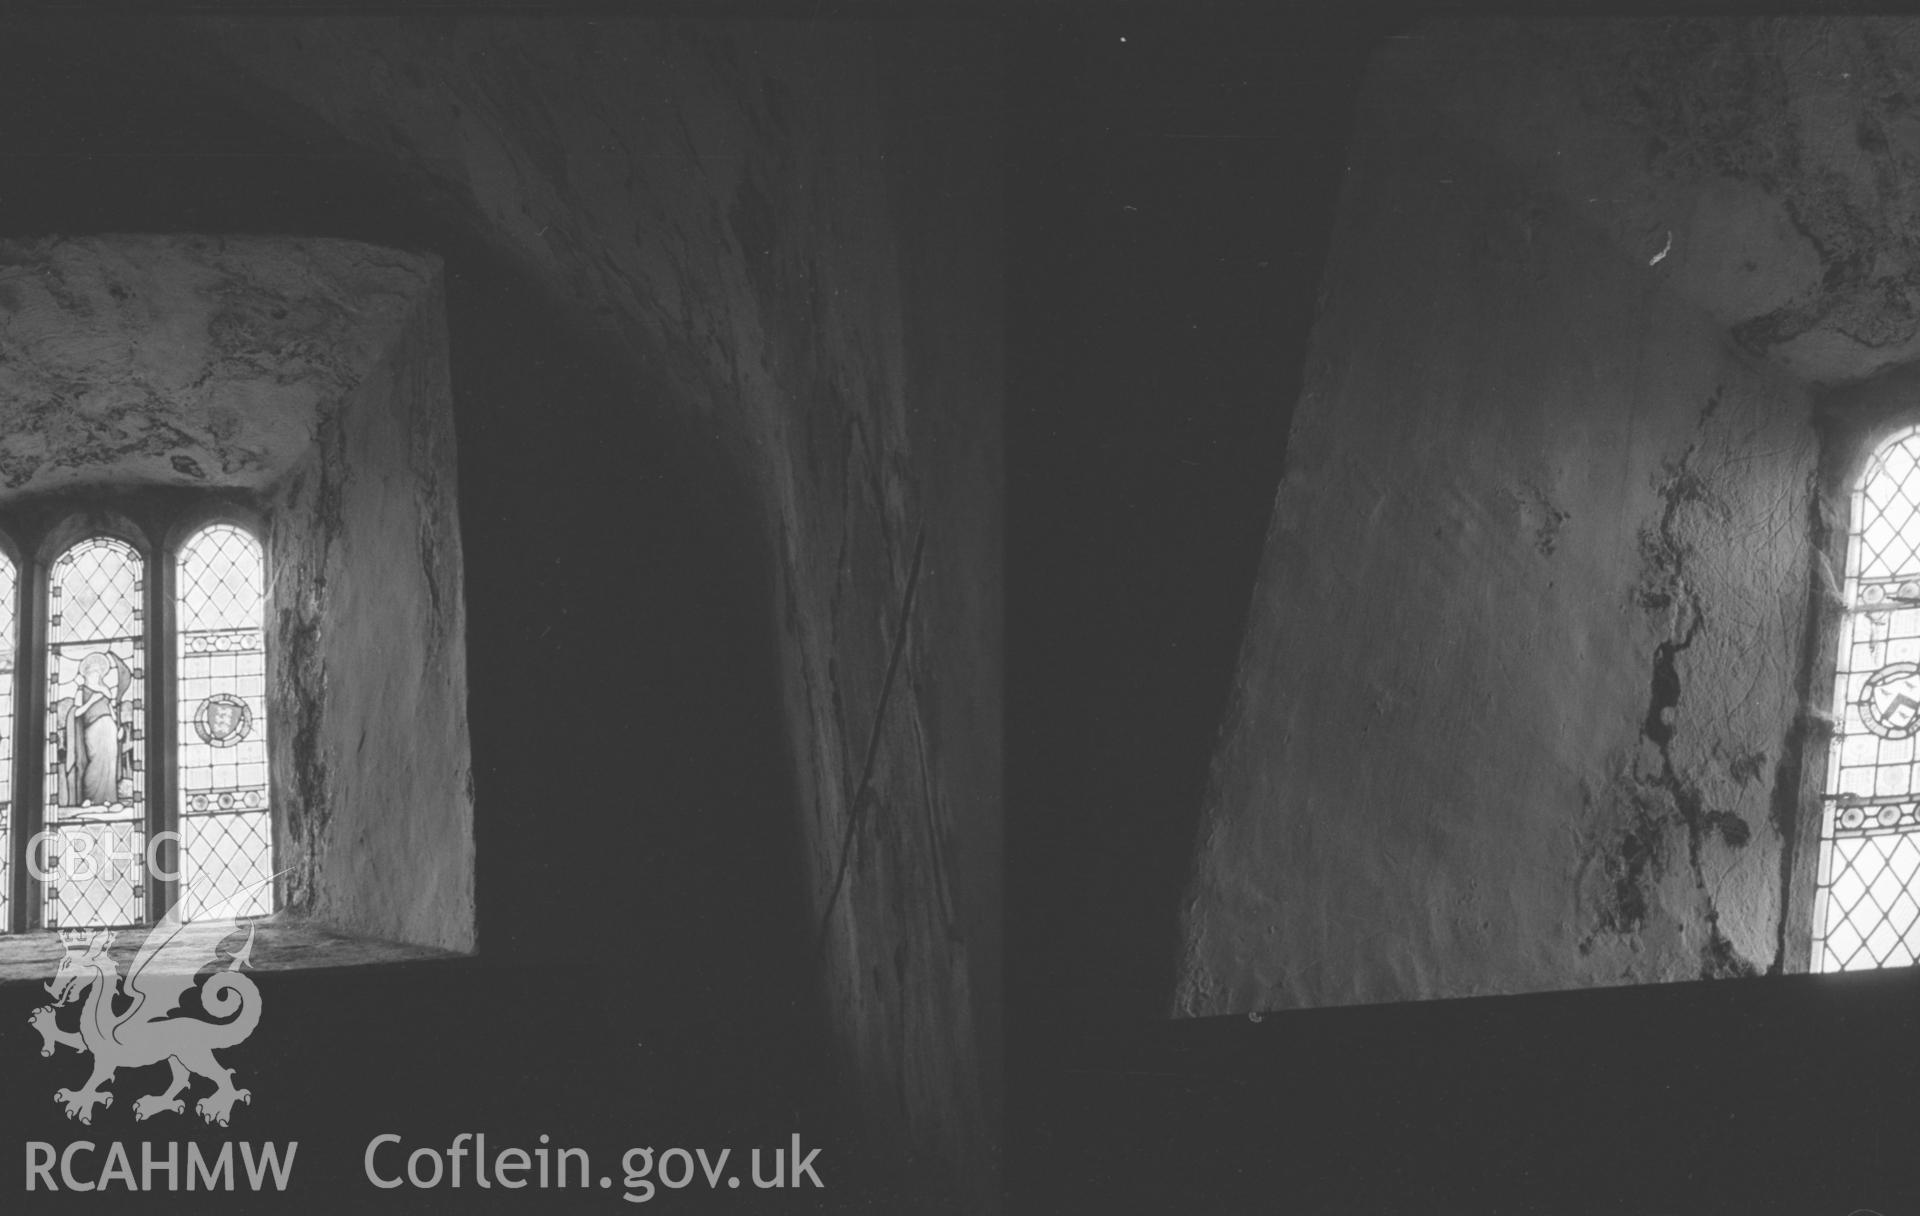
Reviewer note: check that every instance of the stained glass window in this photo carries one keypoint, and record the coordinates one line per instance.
(7, 635)
(96, 698)
(226, 836)
(1865, 912)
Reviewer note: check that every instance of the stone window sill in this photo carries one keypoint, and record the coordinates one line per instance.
(281, 943)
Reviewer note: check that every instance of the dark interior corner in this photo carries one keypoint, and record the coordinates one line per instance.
(1173, 189)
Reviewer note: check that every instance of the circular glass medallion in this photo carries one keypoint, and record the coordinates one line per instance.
(1890, 702)
(222, 720)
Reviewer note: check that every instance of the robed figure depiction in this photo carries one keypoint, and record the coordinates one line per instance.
(95, 747)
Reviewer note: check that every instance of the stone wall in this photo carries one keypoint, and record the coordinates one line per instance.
(1517, 704)
(368, 668)
(193, 361)
(789, 234)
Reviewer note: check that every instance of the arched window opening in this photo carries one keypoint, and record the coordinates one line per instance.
(226, 833)
(96, 798)
(143, 618)
(1865, 911)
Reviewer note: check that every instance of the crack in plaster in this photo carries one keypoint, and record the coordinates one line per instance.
(1657, 798)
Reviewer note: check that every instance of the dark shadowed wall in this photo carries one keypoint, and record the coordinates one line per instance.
(1520, 701)
(1173, 178)
(1520, 467)
(1771, 1093)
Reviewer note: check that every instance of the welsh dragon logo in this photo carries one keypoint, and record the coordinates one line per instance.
(138, 1021)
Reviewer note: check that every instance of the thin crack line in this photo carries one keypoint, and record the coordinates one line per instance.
(873, 744)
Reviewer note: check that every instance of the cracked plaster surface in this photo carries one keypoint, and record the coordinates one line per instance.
(1518, 702)
(183, 360)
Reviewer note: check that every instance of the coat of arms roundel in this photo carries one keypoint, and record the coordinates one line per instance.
(222, 720)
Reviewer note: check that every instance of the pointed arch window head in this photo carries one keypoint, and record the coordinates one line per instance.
(96, 796)
(226, 829)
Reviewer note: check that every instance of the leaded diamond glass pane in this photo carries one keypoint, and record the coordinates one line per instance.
(95, 875)
(223, 855)
(96, 697)
(1881, 941)
(1841, 944)
(1867, 913)
(226, 832)
(1901, 913)
(1904, 860)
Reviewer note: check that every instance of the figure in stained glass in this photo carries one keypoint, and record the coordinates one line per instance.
(96, 746)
